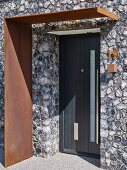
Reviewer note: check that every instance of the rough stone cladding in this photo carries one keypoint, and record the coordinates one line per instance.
(45, 93)
(113, 87)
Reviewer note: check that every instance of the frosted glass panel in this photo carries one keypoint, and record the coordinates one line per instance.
(92, 97)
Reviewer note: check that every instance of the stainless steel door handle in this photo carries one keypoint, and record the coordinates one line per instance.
(75, 131)
(97, 112)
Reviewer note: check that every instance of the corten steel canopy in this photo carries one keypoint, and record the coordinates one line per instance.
(64, 16)
(18, 77)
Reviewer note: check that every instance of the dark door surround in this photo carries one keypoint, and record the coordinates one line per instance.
(93, 147)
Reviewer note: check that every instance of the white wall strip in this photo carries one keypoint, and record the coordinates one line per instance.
(72, 32)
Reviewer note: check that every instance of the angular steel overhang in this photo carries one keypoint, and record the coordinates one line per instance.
(87, 13)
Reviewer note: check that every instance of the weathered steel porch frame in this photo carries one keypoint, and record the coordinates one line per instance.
(18, 77)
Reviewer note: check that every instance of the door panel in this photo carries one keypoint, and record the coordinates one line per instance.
(18, 92)
(70, 101)
(82, 109)
(75, 91)
(94, 147)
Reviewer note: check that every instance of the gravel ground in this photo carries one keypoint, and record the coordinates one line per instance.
(59, 161)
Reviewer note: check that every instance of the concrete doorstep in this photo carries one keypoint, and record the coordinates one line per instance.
(59, 161)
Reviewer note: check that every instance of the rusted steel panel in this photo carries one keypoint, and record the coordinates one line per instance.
(18, 92)
(87, 13)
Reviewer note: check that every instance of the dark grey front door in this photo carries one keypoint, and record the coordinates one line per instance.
(79, 93)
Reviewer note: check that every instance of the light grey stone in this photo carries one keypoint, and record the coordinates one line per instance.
(109, 3)
(46, 4)
(103, 109)
(13, 6)
(124, 43)
(120, 7)
(21, 9)
(123, 84)
(95, 1)
(111, 43)
(102, 69)
(104, 133)
(123, 2)
(121, 106)
(103, 94)
(110, 83)
(6, 9)
(125, 93)
(108, 161)
(125, 100)
(109, 90)
(125, 33)
(124, 76)
(111, 95)
(113, 33)
(112, 150)
(115, 102)
(119, 93)
(40, 4)
(112, 133)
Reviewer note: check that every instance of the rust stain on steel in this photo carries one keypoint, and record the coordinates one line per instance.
(18, 92)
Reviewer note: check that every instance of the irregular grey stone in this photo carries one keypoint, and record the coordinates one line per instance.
(125, 33)
(124, 142)
(123, 84)
(111, 43)
(21, 8)
(117, 139)
(125, 93)
(110, 119)
(124, 100)
(118, 93)
(109, 90)
(115, 102)
(124, 76)
(124, 159)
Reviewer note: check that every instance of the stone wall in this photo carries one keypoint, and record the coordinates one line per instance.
(113, 129)
(45, 92)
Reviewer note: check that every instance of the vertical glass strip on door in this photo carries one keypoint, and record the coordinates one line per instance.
(92, 96)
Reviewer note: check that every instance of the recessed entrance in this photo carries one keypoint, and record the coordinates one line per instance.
(79, 98)
(18, 85)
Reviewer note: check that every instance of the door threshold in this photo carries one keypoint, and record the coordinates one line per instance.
(91, 155)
